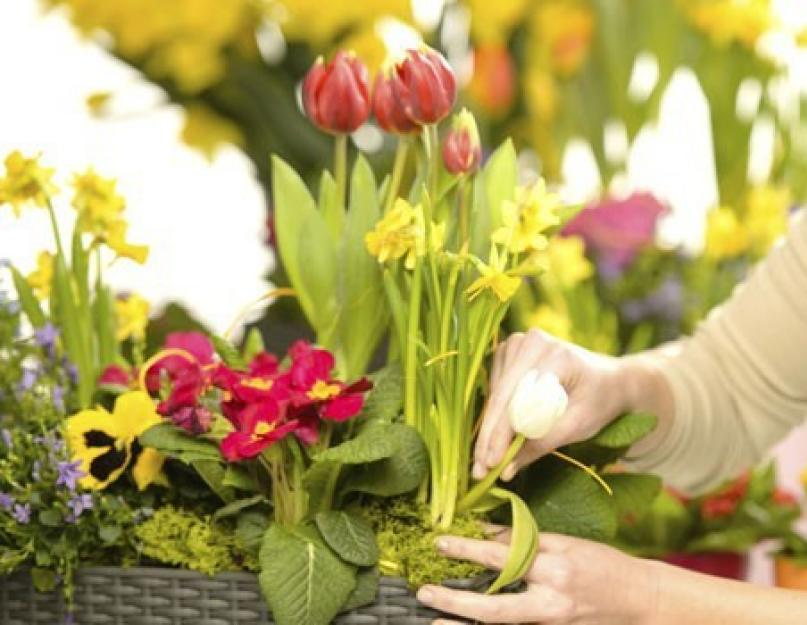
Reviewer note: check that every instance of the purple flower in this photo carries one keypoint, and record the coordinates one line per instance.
(196, 420)
(6, 501)
(69, 474)
(72, 371)
(22, 513)
(29, 378)
(57, 396)
(77, 505)
(5, 434)
(46, 335)
(36, 471)
(665, 303)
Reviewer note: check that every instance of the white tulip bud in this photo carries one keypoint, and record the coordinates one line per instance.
(538, 404)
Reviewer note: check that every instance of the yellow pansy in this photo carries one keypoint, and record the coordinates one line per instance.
(399, 233)
(41, 278)
(132, 315)
(104, 443)
(552, 321)
(97, 202)
(493, 277)
(727, 21)
(526, 219)
(207, 131)
(567, 261)
(766, 216)
(25, 182)
(726, 237)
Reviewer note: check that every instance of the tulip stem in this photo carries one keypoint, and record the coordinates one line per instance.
(484, 485)
(340, 169)
(432, 139)
(464, 189)
(398, 167)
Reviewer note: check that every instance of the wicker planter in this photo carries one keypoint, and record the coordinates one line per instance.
(158, 596)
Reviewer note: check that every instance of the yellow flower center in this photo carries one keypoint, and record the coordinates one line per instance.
(322, 390)
(261, 384)
(262, 429)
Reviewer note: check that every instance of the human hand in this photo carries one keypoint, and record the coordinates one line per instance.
(596, 397)
(571, 581)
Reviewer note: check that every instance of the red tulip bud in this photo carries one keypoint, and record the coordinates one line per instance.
(336, 96)
(425, 86)
(462, 150)
(387, 108)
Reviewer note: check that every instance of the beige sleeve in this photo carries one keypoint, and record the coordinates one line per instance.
(740, 383)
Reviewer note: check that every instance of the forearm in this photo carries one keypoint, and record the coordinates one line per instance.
(686, 597)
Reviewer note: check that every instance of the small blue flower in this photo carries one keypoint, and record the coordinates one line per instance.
(29, 378)
(6, 501)
(22, 513)
(46, 337)
(78, 505)
(69, 474)
(57, 395)
(8, 441)
(72, 371)
(36, 471)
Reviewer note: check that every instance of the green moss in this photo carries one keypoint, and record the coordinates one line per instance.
(186, 540)
(407, 542)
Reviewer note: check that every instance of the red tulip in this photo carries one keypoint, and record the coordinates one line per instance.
(425, 85)
(462, 150)
(336, 96)
(388, 110)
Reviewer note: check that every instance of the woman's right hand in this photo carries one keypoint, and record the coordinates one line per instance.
(600, 388)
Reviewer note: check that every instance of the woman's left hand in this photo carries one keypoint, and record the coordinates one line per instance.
(572, 581)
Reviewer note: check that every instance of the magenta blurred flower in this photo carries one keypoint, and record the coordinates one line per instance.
(615, 231)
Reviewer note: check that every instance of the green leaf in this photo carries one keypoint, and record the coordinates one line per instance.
(400, 473)
(229, 354)
(496, 184)
(44, 580)
(634, 493)
(28, 301)
(317, 483)
(103, 314)
(302, 579)
(239, 505)
(349, 536)
(50, 518)
(253, 345)
(11, 559)
(625, 431)
(329, 206)
(366, 589)
(250, 529)
(566, 500)
(212, 472)
(385, 401)
(305, 246)
(110, 533)
(176, 443)
(238, 477)
(372, 443)
(523, 544)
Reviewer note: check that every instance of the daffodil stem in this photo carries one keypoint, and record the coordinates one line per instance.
(410, 406)
(398, 168)
(432, 139)
(55, 226)
(340, 169)
(485, 484)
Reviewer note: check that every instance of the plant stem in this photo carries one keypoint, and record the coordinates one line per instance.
(432, 140)
(55, 226)
(398, 167)
(340, 169)
(410, 396)
(463, 192)
(484, 485)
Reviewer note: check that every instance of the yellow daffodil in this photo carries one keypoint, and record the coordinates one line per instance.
(132, 314)
(493, 277)
(766, 216)
(41, 278)
(494, 21)
(552, 321)
(727, 21)
(97, 202)
(526, 219)
(567, 261)
(105, 443)
(25, 182)
(207, 132)
(399, 233)
(116, 241)
(726, 237)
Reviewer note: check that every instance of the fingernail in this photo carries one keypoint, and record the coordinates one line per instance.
(425, 595)
(478, 471)
(442, 544)
(509, 473)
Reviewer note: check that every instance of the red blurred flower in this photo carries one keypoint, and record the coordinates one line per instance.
(724, 503)
(336, 96)
(462, 150)
(115, 375)
(389, 112)
(493, 84)
(785, 498)
(195, 419)
(197, 352)
(425, 86)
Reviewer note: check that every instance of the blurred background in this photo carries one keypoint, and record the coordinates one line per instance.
(681, 123)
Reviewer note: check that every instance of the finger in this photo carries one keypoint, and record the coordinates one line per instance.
(442, 621)
(490, 554)
(478, 607)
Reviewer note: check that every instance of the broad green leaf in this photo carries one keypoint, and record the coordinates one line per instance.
(103, 313)
(625, 431)
(385, 401)
(523, 542)
(665, 528)
(110, 533)
(250, 529)
(227, 351)
(349, 536)
(175, 443)
(372, 443)
(400, 473)
(51, 518)
(239, 505)
(634, 493)
(28, 301)
(305, 246)
(496, 184)
(238, 477)
(734, 539)
(301, 578)
(253, 345)
(566, 500)
(366, 589)
(332, 212)
(212, 472)
(44, 580)
(11, 559)
(317, 481)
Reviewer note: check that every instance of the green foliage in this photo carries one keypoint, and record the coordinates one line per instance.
(175, 442)
(523, 544)
(183, 539)
(385, 400)
(349, 536)
(495, 185)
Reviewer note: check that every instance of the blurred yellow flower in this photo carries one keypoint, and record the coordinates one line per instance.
(727, 21)
(97, 202)
(493, 277)
(194, 65)
(368, 46)
(397, 234)
(206, 131)
(132, 317)
(726, 237)
(26, 181)
(41, 278)
(526, 219)
(493, 22)
(766, 214)
(552, 321)
(116, 241)
(98, 102)
(561, 34)
(568, 264)
(541, 95)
